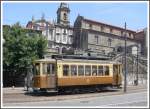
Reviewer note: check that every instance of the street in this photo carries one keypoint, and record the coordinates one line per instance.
(102, 99)
(133, 99)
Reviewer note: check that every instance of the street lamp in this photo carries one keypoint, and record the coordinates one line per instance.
(136, 82)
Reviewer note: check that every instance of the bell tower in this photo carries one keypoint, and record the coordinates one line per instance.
(63, 14)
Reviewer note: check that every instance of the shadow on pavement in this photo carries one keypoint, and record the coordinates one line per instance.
(54, 93)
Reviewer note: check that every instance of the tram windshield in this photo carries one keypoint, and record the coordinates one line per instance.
(48, 68)
(37, 69)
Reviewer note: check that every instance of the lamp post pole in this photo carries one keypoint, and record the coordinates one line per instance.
(125, 64)
(137, 66)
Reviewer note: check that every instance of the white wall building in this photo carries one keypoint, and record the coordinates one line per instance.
(59, 34)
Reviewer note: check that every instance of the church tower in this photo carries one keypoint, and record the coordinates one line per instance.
(63, 14)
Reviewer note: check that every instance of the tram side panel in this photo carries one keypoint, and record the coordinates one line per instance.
(83, 80)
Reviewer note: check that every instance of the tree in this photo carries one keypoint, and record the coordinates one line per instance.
(20, 49)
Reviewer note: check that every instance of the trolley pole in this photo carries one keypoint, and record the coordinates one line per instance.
(125, 64)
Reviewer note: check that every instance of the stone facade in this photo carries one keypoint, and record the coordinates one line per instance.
(63, 38)
(86, 35)
(142, 37)
(95, 36)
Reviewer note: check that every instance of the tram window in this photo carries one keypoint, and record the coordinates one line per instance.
(100, 70)
(44, 68)
(65, 70)
(87, 70)
(37, 69)
(48, 68)
(119, 69)
(80, 70)
(106, 70)
(53, 69)
(94, 70)
(73, 70)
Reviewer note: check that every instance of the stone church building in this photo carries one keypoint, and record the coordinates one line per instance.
(86, 35)
(90, 35)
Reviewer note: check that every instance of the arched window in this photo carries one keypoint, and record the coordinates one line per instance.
(65, 16)
(64, 50)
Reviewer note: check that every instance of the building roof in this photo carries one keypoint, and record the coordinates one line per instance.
(140, 36)
(30, 24)
(105, 24)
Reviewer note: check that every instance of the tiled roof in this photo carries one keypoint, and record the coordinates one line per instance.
(109, 25)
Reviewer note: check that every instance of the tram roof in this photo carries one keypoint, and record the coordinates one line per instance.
(78, 61)
(90, 61)
(46, 60)
(80, 57)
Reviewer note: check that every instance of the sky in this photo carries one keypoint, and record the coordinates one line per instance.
(133, 13)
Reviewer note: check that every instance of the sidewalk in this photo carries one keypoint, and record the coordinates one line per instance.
(11, 90)
(21, 90)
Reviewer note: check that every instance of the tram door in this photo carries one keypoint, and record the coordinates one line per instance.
(49, 70)
(116, 72)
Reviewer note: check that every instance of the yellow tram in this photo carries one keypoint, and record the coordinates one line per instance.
(59, 74)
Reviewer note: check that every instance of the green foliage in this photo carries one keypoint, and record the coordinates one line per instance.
(21, 47)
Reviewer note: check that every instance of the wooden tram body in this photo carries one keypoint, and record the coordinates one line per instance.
(59, 74)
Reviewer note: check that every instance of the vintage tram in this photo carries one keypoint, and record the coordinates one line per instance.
(62, 74)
